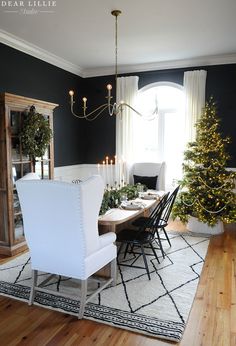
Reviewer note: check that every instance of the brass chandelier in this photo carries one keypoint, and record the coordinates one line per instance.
(112, 108)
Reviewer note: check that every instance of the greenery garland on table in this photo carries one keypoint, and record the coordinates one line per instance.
(112, 198)
(35, 134)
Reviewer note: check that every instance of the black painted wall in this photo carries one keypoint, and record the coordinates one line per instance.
(101, 132)
(79, 141)
(24, 75)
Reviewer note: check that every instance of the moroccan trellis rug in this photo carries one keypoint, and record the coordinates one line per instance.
(159, 307)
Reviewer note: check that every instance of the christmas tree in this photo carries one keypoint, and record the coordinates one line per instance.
(206, 188)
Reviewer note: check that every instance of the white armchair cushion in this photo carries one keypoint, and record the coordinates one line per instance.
(106, 239)
(31, 176)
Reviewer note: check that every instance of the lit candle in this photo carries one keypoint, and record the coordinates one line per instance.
(111, 173)
(84, 101)
(109, 87)
(104, 172)
(98, 167)
(71, 93)
(116, 169)
(107, 170)
(124, 172)
(120, 172)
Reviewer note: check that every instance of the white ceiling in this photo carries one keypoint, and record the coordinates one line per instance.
(79, 35)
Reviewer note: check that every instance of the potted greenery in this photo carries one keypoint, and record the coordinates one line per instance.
(207, 187)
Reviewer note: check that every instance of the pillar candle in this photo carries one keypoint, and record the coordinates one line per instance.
(104, 172)
(107, 172)
(111, 173)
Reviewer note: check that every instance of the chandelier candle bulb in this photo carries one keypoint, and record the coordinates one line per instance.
(109, 87)
(71, 93)
(84, 102)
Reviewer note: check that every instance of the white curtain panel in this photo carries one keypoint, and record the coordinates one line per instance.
(194, 88)
(127, 90)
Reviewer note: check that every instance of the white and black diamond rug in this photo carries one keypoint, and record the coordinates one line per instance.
(159, 307)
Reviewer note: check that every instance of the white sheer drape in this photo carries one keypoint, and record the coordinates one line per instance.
(127, 89)
(194, 88)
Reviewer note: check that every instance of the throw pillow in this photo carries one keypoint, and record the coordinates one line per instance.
(150, 182)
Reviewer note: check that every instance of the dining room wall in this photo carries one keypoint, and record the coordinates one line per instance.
(24, 75)
(82, 142)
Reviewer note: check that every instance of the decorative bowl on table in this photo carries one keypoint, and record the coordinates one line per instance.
(150, 195)
(131, 205)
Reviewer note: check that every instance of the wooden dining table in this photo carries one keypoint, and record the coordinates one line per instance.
(118, 218)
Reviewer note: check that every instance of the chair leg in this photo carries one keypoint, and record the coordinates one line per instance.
(114, 272)
(145, 261)
(167, 238)
(126, 249)
(154, 252)
(160, 244)
(132, 247)
(120, 248)
(84, 284)
(33, 285)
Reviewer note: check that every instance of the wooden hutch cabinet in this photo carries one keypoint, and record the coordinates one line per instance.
(14, 164)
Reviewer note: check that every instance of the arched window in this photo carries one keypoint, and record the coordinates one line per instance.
(162, 138)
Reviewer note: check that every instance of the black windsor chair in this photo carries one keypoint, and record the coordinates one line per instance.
(142, 237)
(162, 221)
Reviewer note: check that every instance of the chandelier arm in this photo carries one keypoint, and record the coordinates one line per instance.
(104, 106)
(110, 107)
(120, 105)
(96, 115)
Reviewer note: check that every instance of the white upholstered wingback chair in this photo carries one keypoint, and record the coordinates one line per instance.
(61, 230)
(149, 169)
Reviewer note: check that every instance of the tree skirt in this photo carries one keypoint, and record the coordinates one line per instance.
(158, 308)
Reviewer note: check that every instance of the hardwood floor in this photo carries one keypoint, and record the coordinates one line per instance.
(212, 321)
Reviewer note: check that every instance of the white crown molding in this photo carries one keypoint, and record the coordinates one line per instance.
(200, 61)
(39, 53)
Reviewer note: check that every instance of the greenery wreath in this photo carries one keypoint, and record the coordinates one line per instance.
(35, 134)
